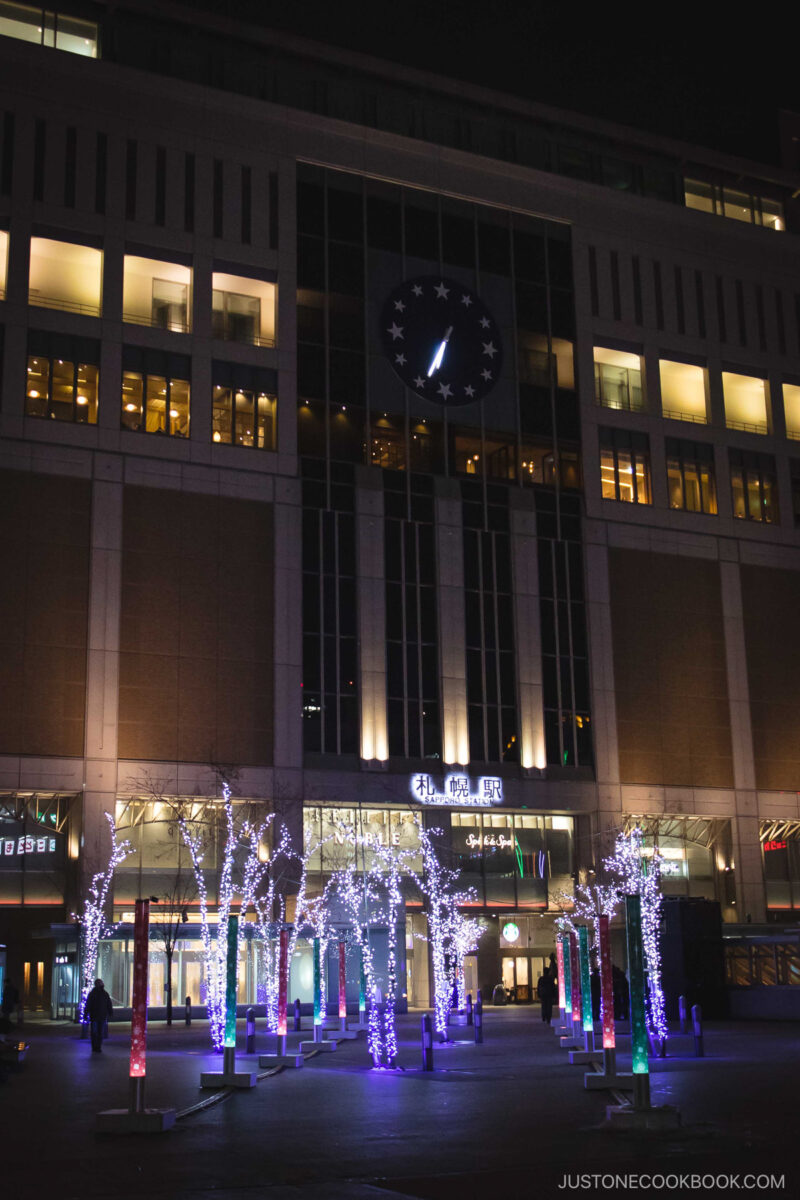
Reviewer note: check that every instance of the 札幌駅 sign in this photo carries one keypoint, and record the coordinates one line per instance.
(457, 791)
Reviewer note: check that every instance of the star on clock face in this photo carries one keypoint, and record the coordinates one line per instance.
(448, 339)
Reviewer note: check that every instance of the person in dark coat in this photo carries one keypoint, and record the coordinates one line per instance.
(546, 989)
(621, 994)
(99, 1010)
(10, 1004)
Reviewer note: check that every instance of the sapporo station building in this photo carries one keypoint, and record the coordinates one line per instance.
(407, 447)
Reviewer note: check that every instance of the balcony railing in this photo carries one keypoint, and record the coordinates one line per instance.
(39, 301)
(156, 322)
(672, 414)
(747, 426)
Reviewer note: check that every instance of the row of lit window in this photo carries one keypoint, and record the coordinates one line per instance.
(691, 480)
(68, 391)
(733, 203)
(619, 383)
(67, 276)
(60, 31)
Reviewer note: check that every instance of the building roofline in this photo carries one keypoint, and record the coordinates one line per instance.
(685, 153)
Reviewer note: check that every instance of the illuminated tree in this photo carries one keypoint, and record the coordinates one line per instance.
(93, 921)
(465, 933)
(437, 883)
(356, 892)
(637, 873)
(242, 837)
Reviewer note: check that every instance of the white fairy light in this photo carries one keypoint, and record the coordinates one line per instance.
(93, 922)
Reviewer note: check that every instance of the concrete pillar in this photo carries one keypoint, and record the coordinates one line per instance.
(750, 894)
(288, 653)
(371, 615)
(102, 680)
(601, 662)
(528, 637)
(452, 633)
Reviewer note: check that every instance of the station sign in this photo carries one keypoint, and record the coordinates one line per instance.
(457, 791)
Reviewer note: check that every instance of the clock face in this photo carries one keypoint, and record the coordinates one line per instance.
(441, 340)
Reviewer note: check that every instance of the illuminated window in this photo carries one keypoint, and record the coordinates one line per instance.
(3, 262)
(794, 466)
(690, 476)
(64, 275)
(155, 392)
(625, 466)
(753, 486)
(683, 391)
(745, 402)
(791, 408)
(734, 204)
(58, 30)
(618, 379)
(243, 310)
(61, 380)
(387, 447)
(157, 293)
(243, 418)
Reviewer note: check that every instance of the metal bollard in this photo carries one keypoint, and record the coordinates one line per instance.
(297, 1016)
(478, 1019)
(682, 1013)
(250, 1044)
(427, 1042)
(697, 1030)
(188, 1016)
(469, 1008)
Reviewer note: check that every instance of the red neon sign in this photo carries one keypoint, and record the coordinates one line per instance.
(774, 845)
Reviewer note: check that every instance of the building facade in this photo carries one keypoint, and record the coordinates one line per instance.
(404, 447)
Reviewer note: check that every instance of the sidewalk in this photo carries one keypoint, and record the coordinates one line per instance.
(507, 1118)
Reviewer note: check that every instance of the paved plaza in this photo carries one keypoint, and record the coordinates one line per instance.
(509, 1118)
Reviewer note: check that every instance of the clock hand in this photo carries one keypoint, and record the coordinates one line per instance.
(439, 355)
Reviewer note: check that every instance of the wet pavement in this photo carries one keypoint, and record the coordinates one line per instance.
(509, 1118)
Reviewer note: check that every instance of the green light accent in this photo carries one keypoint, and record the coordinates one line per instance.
(566, 752)
(518, 853)
(318, 1013)
(567, 974)
(633, 924)
(230, 982)
(362, 986)
(586, 982)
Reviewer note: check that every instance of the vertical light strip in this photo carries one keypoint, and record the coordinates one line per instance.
(139, 1000)
(562, 1002)
(606, 986)
(633, 924)
(283, 980)
(232, 964)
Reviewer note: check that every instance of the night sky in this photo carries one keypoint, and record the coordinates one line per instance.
(700, 72)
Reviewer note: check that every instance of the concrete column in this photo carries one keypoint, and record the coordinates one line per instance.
(452, 632)
(601, 664)
(528, 636)
(371, 616)
(750, 895)
(102, 679)
(288, 655)
(286, 319)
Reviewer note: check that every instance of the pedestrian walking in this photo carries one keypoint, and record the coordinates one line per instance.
(99, 1010)
(546, 991)
(10, 1002)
